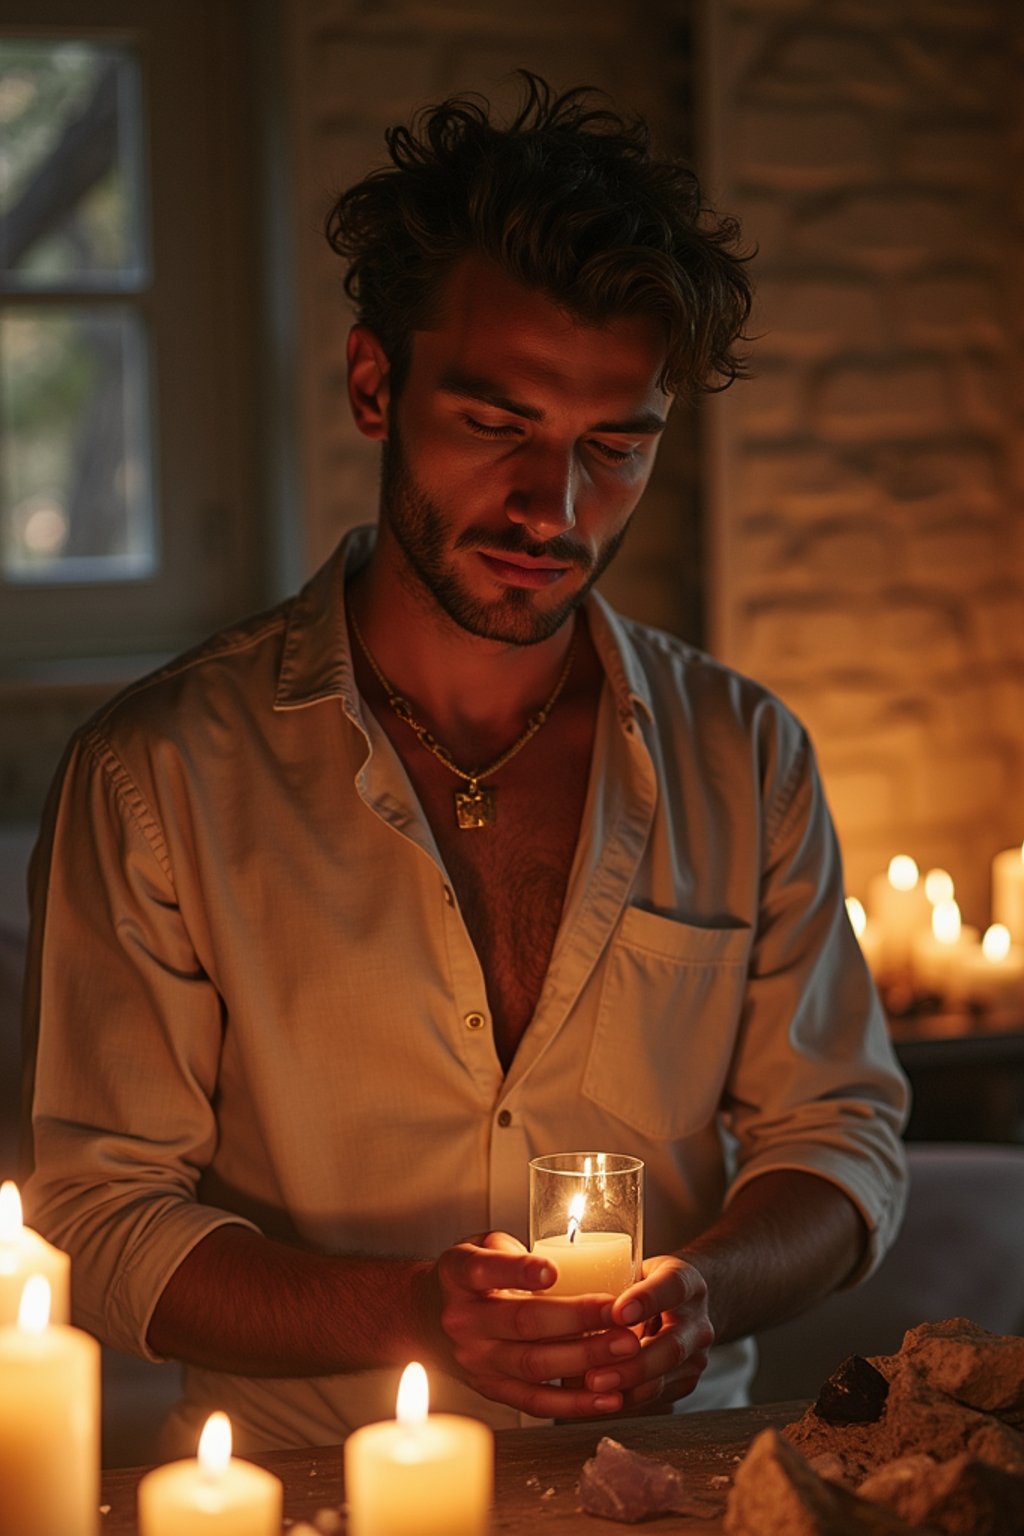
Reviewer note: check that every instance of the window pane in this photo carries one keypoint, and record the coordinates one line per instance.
(70, 131)
(75, 489)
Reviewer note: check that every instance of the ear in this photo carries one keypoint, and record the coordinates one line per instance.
(369, 388)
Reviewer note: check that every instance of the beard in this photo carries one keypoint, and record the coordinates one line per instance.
(422, 530)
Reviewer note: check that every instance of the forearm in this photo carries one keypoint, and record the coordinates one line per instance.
(239, 1302)
(786, 1240)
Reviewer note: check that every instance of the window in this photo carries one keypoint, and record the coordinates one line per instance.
(75, 462)
(129, 516)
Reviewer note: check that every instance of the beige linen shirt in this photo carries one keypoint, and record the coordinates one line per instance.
(256, 999)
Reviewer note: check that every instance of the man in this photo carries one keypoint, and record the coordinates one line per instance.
(442, 865)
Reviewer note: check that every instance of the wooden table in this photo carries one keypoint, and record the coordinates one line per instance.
(535, 1472)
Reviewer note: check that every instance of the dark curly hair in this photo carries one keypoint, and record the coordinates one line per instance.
(569, 200)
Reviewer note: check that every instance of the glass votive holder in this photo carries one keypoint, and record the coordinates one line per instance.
(587, 1214)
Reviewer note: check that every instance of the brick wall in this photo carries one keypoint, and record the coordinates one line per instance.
(867, 486)
(356, 69)
(863, 492)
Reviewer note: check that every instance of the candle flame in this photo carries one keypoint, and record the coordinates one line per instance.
(577, 1205)
(215, 1445)
(858, 917)
(413, 1396)
(996, 943)
(10, 1212)
(903, 872)
(938, 886)
(946, 922)
(34, 1307)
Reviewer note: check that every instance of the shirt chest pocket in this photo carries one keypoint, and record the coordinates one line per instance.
(667, 1019)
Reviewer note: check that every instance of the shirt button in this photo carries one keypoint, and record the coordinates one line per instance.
(504, 1118)
(449, 898)
(475, 1021)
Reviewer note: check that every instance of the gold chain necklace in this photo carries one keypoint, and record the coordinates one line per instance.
(474, 806)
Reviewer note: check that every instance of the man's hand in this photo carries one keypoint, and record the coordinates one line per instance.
(668, 1310)
(515, 1348)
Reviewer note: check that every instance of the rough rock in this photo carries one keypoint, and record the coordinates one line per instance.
(619, 1484)
(960, 1497)
(775, 1491)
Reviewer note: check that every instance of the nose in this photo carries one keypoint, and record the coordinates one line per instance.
(543, 496)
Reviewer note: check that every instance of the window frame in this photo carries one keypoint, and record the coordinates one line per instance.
(200, 308)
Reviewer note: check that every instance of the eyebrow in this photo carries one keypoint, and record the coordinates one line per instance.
(475, 387)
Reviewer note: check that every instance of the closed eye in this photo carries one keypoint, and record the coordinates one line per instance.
(481, 429)
(615, 455)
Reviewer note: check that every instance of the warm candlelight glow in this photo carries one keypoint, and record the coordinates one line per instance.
(938, 886)
(214, 1451)
(946, 922)
(34, 1311)
(996, 943)
(413, 1396)
(10, 1212)
(903, 872)
(577, 1205)
(858, 917)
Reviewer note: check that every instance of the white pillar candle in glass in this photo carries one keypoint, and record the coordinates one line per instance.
(49, 1423)
(586, 1215)
(1008, 891)
(212, 1493)
(24, 1253)
(419, 1474)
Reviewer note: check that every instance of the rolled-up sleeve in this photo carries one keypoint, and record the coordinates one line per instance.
(814, 1083)
(124, 1035)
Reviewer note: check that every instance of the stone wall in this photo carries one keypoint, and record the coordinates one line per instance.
(867, 486)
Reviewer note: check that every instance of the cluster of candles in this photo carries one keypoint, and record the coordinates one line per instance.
(918, 947)
(420, 1474)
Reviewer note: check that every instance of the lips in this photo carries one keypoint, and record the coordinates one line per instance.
(521, 571)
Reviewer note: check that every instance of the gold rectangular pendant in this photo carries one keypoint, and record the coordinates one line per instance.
(474, 808)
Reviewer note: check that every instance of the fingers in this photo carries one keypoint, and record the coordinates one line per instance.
(499, 1266)
(668, 1285)
(668, 1307)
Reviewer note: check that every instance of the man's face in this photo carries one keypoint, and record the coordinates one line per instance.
(516, 452)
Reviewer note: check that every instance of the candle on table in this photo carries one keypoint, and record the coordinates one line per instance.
(994, 973)
(1008, 891)
(212, 1493)
(587, 1261)
(24, 1253)
(939, 958)
(419, 1474)
(898, 906)
(49, 1423)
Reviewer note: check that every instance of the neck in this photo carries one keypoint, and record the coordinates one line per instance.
(460, 685)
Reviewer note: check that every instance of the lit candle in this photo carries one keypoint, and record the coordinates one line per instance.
(211, 1494)
(938, 886)
(49, 1423)
(24, 1253)
(866, 934)
(994, 973)
(899, 908)
(587, 1261)
(1008, 891)
(939, 957)
(419, 1474)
